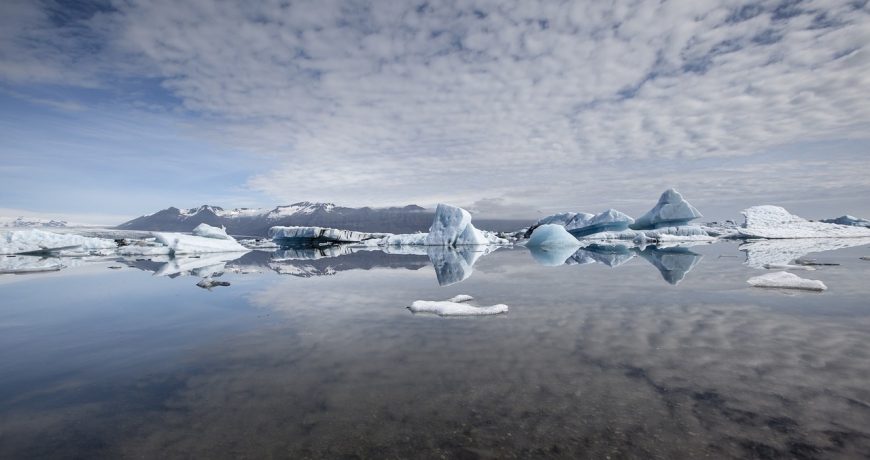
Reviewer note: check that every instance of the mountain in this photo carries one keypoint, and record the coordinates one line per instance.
(256, 222)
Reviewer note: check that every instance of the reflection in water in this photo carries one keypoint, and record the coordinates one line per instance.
(334, 367)
(782, 252)
(673, 263)
(612, 255)
(453, 265)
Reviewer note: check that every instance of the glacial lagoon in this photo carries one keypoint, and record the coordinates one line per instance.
(605, 351)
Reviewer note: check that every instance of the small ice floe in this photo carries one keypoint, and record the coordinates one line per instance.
(788, 267)
(785, 280)
(208, 283)
(456, 306)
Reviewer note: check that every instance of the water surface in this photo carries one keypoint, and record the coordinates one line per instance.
(661, 353)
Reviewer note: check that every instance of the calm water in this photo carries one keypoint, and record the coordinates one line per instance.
(325, 360)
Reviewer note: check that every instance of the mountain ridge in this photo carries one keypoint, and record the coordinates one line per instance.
(257, 221)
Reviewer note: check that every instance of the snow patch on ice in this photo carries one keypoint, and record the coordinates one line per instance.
(457, 306)
(207, 231)
(775, 222)
(786, 280)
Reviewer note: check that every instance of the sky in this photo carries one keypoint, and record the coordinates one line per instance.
(110, 110)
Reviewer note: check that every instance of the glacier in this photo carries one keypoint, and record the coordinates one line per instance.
(774, 222)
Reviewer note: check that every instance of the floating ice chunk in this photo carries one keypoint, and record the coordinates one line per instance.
(848, 220)
(180, 243)
(457, 306)
(207, 231)
(775, 222)
(786, 280)
(551, 235)
(673, 263)
(670, 211)
(18, 241)
(315, 236)
(452, 227)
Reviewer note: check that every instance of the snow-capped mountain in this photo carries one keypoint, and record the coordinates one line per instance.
(257, 221)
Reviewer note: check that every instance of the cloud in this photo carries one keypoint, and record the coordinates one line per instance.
(394, 102)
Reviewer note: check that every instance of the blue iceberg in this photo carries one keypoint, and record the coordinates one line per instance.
(671, 211)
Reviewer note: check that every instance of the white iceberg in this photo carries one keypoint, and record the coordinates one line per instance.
(180, 243)
(207, 231)
(18, 241)
(452, 227)
(456, 306)
(775, 222)
(670, 211)
(786, 280)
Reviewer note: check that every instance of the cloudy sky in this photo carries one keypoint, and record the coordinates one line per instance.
(113, 109)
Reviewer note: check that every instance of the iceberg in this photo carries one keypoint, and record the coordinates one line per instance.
(673, 263)
(786, 280)
(670, 211)
(456, 306)
(179, 243)
(551, 235)
(318, 236)
(582, 224)
(33, 240)
(848, 220)
(207, 231)
(607, 221)
(774, 222)
(452, 227)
